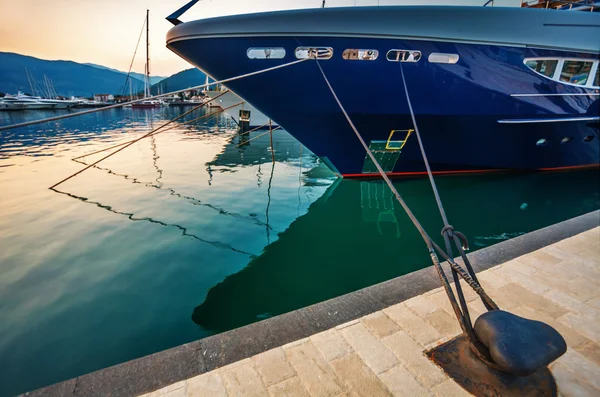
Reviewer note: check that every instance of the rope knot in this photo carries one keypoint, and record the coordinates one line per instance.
(452, 234)
(448, 229)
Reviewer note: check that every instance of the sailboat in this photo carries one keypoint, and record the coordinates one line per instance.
(150, 103)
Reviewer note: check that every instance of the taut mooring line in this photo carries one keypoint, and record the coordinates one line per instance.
(118, 105)
(124, 143)
(150, 134)
(126, 146)
(258, 136)
(431, 245)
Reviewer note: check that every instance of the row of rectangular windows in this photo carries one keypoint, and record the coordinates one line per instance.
(571, 71)
(350, 54)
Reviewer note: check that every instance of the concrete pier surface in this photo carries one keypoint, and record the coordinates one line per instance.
(381, 354)
(372, 342)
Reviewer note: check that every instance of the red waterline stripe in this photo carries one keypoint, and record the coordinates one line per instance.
(469, 171)
(572, 167)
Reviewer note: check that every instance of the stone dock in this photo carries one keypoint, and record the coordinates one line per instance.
(372, 342)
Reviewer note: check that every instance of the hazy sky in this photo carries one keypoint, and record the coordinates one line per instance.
(106, 31)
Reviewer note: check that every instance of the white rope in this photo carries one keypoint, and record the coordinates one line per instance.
(118, 105)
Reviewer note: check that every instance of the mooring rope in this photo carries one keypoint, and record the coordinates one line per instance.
(447, 231)
(258, 136)
(126, 146)
(156, 130)
(431, 245)
(118, 105)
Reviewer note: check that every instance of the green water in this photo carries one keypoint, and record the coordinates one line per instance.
(186, 234)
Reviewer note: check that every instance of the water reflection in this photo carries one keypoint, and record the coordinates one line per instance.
(108, 267)
(355, 236)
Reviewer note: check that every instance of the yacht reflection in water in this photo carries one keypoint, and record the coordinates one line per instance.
(356, 235)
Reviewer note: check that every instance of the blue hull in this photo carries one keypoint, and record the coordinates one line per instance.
(467, 114)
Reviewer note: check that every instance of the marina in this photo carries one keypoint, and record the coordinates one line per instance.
(113, 244)
(373, 200)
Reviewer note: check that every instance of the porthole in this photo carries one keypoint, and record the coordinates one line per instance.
(566, 139)
(437, 57)
(360, 55)
(314, 52)
(542, 142)
(588, 138)
(403, 56)
(266, 53)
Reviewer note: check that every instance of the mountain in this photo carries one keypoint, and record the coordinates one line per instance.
(139, 76)
(68, 78)
(179, 81)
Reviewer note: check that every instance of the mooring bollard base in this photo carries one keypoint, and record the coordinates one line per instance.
(459, 363)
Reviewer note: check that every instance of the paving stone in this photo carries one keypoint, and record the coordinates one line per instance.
(411, 354)
(591, 351)
(288, 388)
(444, 323)
(537, 302)
(243, 381)
(583, 367)
(450, 388)
(357, 377)
(440, 299)
(402, 383)
(418, 328)
(516, 266)
(595, 302)
(572, 304)
(580, 288)
(370, 349)
(569, 384)
(573, 338)
(583, 325)
(206, 385)
(422, 306)
(380, 324)
(314, 372)
(493, 279)
(331, 344)
(273, 366)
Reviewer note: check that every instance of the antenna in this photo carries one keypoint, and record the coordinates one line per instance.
(323, 4)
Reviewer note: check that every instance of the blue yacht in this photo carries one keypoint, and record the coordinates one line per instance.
(491, 88)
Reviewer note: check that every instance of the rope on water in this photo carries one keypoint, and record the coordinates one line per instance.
(126, 146)
(156, 130)
(119, 105)
(258, 136)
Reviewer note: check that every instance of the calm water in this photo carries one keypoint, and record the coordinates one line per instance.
(186, 234)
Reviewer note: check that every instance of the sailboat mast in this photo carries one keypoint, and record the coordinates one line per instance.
(148, 51)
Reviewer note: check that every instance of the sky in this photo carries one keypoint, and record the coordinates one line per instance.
(105, 32)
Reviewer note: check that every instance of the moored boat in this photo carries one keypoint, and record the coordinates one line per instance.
(491, 88)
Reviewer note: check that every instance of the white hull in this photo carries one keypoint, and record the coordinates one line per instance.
(257, 119)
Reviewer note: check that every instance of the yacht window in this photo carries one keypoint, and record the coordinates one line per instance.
(436, 57)
(360, 55)
(566, 139)
(266, 53)
(314, 52)
(575, 72)
(403, 56)
(545, 67)
(597, 79)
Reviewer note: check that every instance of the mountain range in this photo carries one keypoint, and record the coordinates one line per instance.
(33, 75)
(139, 76)
(179, 81)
